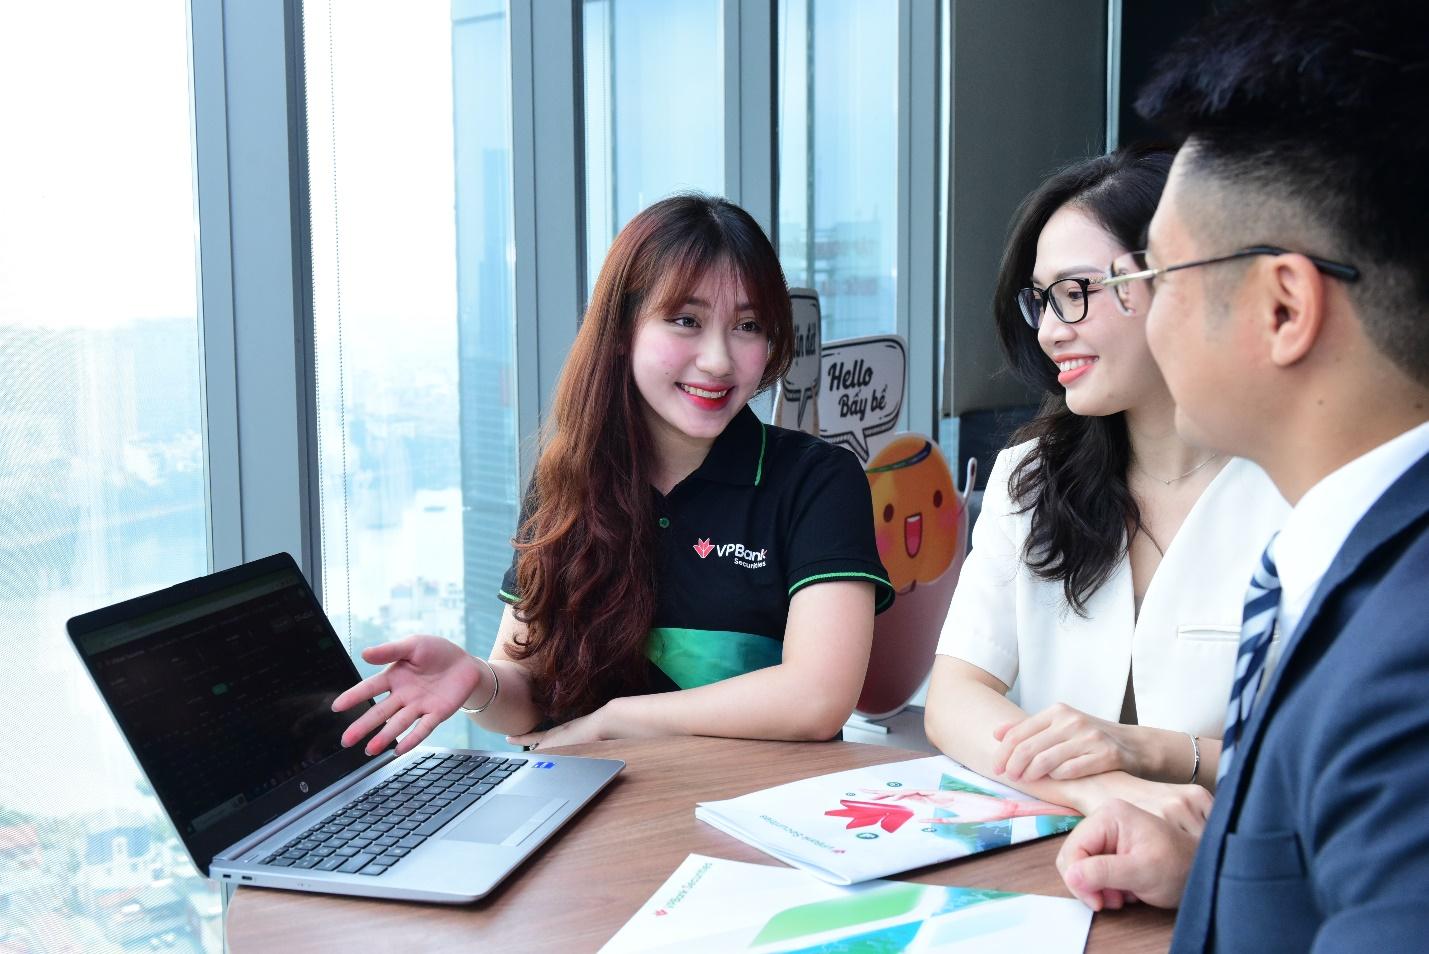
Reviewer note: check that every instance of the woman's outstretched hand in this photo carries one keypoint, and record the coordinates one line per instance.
(426, 680)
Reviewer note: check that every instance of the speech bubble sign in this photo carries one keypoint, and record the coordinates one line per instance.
(861, 392)
(797, 406)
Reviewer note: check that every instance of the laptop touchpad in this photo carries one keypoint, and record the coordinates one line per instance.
(506, 819)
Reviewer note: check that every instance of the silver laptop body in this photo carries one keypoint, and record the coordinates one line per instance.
(222, 687)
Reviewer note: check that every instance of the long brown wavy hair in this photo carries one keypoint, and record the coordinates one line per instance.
(587, 550)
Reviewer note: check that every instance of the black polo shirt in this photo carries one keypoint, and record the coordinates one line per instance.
(769, 512)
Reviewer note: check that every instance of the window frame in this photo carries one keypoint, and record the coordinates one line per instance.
(256, 305)
(255, 290)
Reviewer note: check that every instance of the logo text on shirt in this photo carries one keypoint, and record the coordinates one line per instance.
(742, 555)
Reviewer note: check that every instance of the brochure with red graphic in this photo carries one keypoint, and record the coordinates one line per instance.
(873, 822)
(712, 906)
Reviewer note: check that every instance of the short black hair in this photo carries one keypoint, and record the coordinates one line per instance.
(1316, 111)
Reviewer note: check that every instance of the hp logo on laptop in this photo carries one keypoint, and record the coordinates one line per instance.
(545, 765)
(303, 787)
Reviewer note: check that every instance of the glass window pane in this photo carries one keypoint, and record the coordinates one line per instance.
(101, 456)
(654, 109)
(409, 167)
(838, 155)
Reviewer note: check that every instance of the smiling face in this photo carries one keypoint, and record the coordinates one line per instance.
(698, 366)
(1103, 360)
(916, 512)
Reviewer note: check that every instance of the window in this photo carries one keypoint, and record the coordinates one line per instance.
(654, 109)
(410, 192)
(838, 159)
(101, 454)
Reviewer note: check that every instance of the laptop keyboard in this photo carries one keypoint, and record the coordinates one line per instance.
(374, 832)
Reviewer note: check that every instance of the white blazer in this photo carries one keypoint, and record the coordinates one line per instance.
(1182, 648)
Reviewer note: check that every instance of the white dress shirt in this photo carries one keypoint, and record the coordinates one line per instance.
(1180, 650)
(1322, 521)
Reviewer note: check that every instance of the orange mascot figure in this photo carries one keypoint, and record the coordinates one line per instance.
(920, 525)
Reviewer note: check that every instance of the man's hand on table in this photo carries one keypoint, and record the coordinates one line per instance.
(1121, 854)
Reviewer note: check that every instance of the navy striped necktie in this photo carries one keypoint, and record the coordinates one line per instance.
(1257, 628)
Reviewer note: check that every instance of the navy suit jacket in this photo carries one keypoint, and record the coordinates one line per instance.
(1319, 838)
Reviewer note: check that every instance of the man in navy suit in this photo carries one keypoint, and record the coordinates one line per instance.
(1290, 256)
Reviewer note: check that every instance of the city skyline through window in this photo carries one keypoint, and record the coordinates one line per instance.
(101, 457)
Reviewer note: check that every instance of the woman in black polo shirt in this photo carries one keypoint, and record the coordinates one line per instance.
(681, 567)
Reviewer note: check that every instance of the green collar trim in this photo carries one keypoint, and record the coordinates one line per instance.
(763, 441)
(744, 437)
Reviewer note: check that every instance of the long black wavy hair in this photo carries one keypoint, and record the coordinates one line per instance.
(1074, 481)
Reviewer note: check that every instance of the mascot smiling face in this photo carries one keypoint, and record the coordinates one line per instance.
(916, 511)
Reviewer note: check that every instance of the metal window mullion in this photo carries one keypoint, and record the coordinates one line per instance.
(219, 378)
(548, 180)
(750, 110)
(917, 285)
(250, 167)
(1113, 74)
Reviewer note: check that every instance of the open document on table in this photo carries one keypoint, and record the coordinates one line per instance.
(712, 905)
(872, 822)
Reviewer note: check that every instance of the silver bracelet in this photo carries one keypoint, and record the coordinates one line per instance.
(496, 689)
(1195, 750)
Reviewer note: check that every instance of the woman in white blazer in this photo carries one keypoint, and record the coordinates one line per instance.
(1090, 646)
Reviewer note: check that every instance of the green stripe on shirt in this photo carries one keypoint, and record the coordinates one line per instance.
(698, 657)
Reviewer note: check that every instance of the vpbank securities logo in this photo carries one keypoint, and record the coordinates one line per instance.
(684, 891)
(742, 555)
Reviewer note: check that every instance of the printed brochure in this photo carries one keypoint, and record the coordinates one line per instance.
(878, 821)
(711, 905)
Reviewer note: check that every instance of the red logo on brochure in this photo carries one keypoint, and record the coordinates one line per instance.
(704, 548)
(864, 814)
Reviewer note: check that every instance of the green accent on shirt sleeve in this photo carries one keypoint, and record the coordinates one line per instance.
(698, 657)
(883, 591)
(508, 597)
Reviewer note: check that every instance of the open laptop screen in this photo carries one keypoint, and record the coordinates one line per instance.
(223, 688)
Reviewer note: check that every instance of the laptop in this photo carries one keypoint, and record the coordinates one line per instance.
(223, 686)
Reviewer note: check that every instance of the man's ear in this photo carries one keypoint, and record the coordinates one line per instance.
(1295, 292)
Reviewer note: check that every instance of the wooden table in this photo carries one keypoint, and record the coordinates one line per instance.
(579, 888)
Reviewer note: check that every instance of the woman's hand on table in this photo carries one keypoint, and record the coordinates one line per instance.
(594, 727)
(1061, 742)
(1185, 806)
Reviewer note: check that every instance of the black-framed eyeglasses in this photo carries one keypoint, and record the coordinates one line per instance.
(1067, 296)
(1131, 267)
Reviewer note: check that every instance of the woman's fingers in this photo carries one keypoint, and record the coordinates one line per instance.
(369, 688)
(398, 723)
(1026, 751)
(370, 720)
(1015, 736)
(1050, 759)
(1080, 767)
(1187, 809)
(426, 725)
(384, 653)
